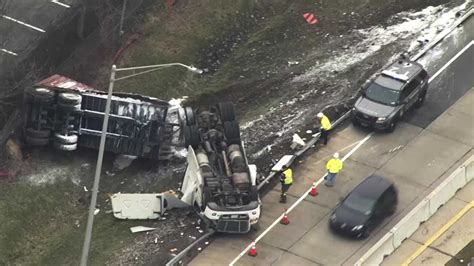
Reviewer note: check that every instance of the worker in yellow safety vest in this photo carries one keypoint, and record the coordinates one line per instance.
(333, 166)
(325, 127)
(286, 180)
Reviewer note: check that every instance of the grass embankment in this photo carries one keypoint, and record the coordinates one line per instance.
(47, 233)
(243, 45)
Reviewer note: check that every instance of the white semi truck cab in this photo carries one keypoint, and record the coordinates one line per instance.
(218, 179)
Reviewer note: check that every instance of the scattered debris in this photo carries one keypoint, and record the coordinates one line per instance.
(173, 250)
(291, 63)
(140, 228)
(77, 224)
(85, 189)
(156, 240)
(309, 131)
(199, 248)
(109, 173)
(200, 231)
(297, 141)
(96, 211)
(192, 237)
(108, 211)
(182, 234)
(206, 243)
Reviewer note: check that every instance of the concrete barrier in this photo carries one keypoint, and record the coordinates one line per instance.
(447, 189)
(469, 165)
(408, 225)
(424, 210)
(382, 248)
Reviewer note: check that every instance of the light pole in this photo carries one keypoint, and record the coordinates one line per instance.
(98, 169)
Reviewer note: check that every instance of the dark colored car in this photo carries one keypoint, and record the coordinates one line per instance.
(394, 91)
(365, 207)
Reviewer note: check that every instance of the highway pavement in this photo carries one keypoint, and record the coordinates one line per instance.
(24, 23)
(426, 146)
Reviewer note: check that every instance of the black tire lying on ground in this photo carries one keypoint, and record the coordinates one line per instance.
(191, 136)
(40, 94)
(226, 110)
(232, 132)
(39, 134)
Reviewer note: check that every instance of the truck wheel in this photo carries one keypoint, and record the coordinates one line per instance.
(41, 94)
(207, 196)
(232, 132)
(66, 147)
(226, 110)
(67, 98)
(69, 108)
(65, 139)
(39, 134)
(420, 100)
(191, 136)
(32, 141)
(190, 118)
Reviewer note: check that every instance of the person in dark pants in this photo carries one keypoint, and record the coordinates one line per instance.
(325, 127)
(286, 180)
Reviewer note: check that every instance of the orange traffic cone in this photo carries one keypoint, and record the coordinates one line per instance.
(285, 220)
(314, 190)
(253, 250)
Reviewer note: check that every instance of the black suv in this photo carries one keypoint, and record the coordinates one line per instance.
(366, 206)
(385, 100)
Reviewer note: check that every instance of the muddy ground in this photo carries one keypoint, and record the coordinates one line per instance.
(249, 59)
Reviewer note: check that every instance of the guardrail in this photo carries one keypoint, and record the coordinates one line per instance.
(176, 260)
(305, 148)
(442, 35)
(424, 210)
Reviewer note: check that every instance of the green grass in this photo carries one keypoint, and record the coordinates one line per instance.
(37, 226)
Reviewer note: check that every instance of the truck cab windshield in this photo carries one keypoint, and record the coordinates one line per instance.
(381, 94)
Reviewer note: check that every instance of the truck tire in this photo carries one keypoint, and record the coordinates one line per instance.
(207, 196)
(66, 147)
(69, 108)
(40, 94)
(39, 134)
(70, 99)
(232, 132)
(226, 110)
(190, 117)
(191, 136)
(32, 141)
(65, 139)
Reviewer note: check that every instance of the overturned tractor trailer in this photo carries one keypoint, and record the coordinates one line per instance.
(218, 181)
(68, 114)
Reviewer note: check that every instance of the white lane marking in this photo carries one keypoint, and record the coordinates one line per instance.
(8, 52)
(23, 23)
(298, 201)
(61, 4)
(451, 61)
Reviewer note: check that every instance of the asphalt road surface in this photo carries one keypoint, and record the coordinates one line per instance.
(23, 24)
(415, 159)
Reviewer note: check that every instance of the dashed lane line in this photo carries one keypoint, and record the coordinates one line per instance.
(61, 4)
(23, 23)
(8, 52)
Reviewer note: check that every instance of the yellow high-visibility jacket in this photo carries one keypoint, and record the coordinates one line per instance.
(325, 123)
(334, 165)
(288, 173)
